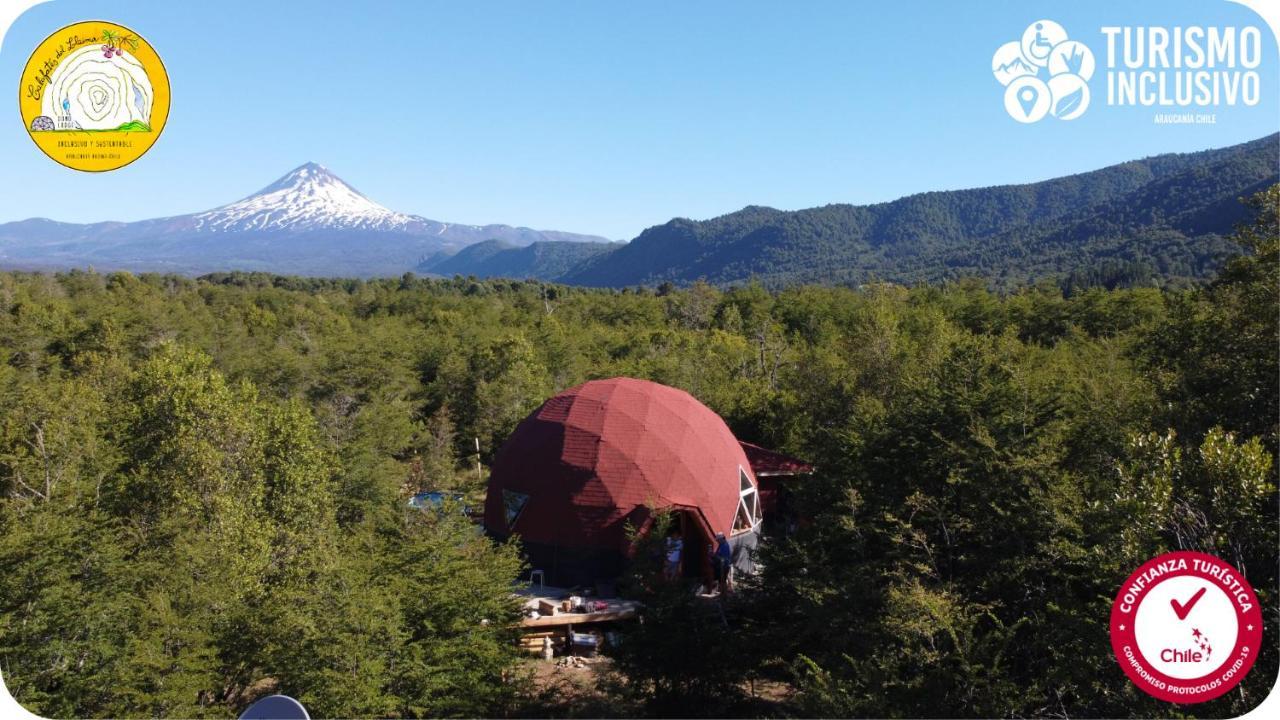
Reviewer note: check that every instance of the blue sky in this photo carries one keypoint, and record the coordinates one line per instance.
(599, 117)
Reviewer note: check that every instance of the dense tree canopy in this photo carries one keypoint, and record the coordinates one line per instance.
(203, 485)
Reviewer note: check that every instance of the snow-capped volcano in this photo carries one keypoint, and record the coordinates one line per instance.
(308, 222)
(308, 198)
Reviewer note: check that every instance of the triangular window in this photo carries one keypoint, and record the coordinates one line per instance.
(748, 515)
(512, 504)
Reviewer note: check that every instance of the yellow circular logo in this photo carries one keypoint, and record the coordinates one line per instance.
(94, 96)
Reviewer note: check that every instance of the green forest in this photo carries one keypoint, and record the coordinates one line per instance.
(1160, 218)
(204, 485)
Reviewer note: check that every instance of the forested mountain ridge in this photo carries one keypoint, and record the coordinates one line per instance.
(540, 260)
(1166, 213)
(1156, 220)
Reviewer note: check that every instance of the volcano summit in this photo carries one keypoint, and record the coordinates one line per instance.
(308, 222)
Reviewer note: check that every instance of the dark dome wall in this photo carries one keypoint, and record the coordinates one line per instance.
(597, 454)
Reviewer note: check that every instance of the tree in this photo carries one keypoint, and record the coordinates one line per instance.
(458, 616)
(686, 657)
(1217, 357)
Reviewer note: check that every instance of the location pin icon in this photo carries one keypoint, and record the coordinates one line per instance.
(1027, 97)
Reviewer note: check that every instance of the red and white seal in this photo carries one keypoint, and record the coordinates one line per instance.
(1186, 627)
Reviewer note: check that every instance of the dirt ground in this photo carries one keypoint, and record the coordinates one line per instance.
(572, 691)
(589, 689)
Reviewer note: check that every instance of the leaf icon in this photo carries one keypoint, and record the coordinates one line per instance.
(1069, 103)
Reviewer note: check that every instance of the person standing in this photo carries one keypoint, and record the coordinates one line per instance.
(675, 548)
(722, 563)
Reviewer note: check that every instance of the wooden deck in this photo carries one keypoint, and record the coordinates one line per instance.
(617, 608)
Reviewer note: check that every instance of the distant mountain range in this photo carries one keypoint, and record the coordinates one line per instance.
(308, 222)
(1159, 219)
(495, 258)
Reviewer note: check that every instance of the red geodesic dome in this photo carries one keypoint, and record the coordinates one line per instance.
(597, 455)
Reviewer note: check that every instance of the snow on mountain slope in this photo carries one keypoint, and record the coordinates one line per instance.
(308, 222)
(308, 198)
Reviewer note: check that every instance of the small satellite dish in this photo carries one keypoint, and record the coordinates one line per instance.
(276, 707)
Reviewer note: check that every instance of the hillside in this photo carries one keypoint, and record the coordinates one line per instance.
(1161, 217)
(494, 258)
